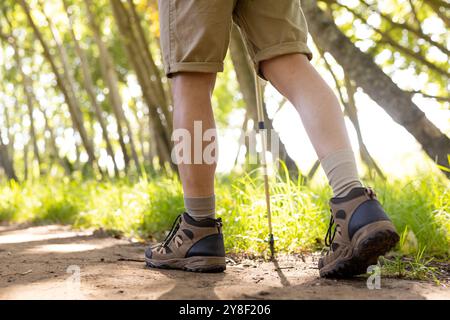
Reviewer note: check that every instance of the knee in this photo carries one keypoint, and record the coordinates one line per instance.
(273, 66)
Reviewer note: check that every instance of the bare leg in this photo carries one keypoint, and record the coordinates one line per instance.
(322, 117)
(301, 84)
(192, 102)
(195, 242)
(319, 109)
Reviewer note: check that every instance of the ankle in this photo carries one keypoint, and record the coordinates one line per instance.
(342, 173)
(200, 208)
(345, 189)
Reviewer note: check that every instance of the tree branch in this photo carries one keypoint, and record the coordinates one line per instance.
(388, 40)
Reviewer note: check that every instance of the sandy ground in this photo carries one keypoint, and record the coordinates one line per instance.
(55, 262)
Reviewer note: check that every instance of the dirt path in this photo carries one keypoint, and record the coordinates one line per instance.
(43, 263)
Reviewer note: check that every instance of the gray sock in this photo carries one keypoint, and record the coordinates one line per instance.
(201, 207)
(341, 171)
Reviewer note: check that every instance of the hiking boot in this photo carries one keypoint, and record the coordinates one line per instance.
(363, 232)
(191, 245)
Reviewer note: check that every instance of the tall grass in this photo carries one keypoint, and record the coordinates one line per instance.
(146, 208)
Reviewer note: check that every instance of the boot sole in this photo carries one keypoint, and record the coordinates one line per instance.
(373, 241)
(193, 264)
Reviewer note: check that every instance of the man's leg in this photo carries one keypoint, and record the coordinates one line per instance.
(363, 231)
(192, 103)
(319, 109)
(196, 242)
(194, 42)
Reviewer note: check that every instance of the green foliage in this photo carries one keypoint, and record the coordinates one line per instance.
(299, 217)
(398, 34)
(424, 205)
(416, 267)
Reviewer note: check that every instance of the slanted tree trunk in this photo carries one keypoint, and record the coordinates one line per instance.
(70, 81)
(352, 113)
(139, 61)
(159, 91)
(90, 88)
(140, 122)
(245, 77)
(5, 161)
(52, 142)
(5, 109)
(111, 79)
(28, 91)
(152, 152)
(9, 131)
(27, 85)
(64, 86)
(361, 68)
(25, 162)
(33, 134)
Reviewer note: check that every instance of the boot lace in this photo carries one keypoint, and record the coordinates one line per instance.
(173, 231)
(331, 232)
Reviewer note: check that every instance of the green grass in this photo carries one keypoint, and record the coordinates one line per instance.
(146, 208)
(417, 267)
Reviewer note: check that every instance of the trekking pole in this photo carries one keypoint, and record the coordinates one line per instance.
(262, 133)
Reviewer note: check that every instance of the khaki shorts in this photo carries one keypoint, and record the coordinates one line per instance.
(195, 33)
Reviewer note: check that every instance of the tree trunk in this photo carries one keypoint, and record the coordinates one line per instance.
(138, 60)
(90, 88)
(25, 162)
(68, 93)
(9, 134)
(361, 68)
(143, 43)
(71, 84)
(246, 80)
(6, 114)
(140, 121)
(27, 85)
(31, 97)
(53, 146)
(28, 91)
(110, 76)
(5, 160)
(352, 113)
